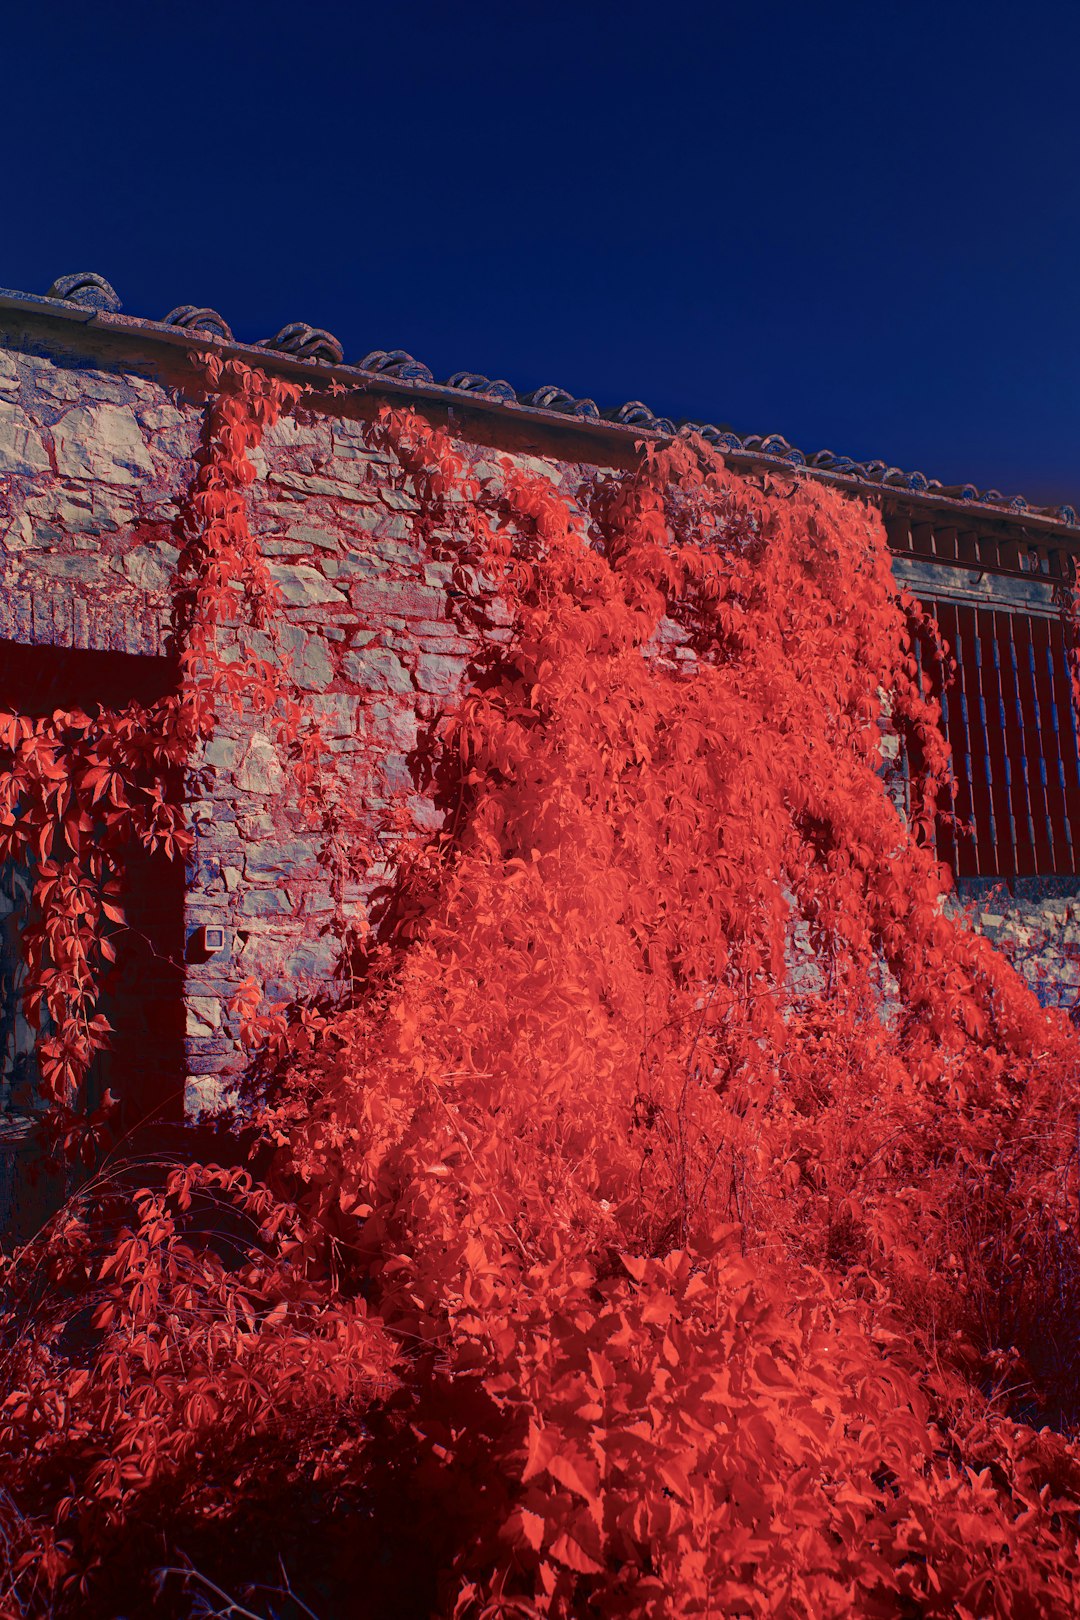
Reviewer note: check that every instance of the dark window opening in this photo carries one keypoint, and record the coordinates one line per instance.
(142, 994)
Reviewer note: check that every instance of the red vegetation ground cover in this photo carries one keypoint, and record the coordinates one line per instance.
(587, 1262)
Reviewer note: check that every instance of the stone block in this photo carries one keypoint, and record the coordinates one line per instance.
(403, 598)
(275, 855)
(335, 712)
(440, 638)
(314, 484)
(351, 436)
(394, 527)
(351, 469)
(306, 537)
(19, 534)
(152, 567)
(394, 775)
(398, 500)
(22, 449)
(286, 433)
(86, 567)
(439, 673)
(306, 658)
(391, 726)
(303, 586)
(220, 752)
(104, 385)
(361, 565)
(163, 416)
(76, 517)
(203, 1015)
(206, 1095)
(265, 903)
(426, 817)
(255, 826)
(314, 959)
(260, 769)
(397, 554)
(353, 521)
(376, 669)
(53, 618)
(312, 666)
(102, 443)
(16, 615)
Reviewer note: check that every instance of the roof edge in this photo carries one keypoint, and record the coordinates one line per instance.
(398, 375)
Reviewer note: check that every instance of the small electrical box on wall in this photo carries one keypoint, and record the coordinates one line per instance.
(209, 939)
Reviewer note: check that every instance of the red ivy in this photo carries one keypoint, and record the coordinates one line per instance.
(606, 1265)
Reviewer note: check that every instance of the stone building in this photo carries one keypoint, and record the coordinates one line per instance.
(100, 418)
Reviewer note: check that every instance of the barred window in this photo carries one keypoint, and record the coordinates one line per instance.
(1009, 718)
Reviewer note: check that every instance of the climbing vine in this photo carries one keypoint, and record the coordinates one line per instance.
(78, 789)
(592, 1260)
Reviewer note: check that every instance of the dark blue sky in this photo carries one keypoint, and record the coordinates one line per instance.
(858, 224)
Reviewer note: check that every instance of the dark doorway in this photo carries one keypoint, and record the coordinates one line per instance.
(142, 995)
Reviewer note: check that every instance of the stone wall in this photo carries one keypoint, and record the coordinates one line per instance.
(97, 439)
(1036, 922)
(96, 457)
(91, 463)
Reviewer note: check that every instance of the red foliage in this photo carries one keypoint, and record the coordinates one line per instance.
(77, 789)
(606, 1265)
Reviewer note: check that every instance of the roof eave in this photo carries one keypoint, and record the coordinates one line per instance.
(599, 430)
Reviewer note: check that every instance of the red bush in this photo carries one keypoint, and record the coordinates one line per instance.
(606, 1266)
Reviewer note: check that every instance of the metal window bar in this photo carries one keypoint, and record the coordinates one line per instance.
(958, 845)
(945, 837)
(1020, 740)
(1066, 734)
(1031, 724)
(1052, 763)
(982, 774)
(1008, 846)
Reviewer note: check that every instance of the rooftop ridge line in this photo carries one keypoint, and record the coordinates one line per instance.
(88, 299)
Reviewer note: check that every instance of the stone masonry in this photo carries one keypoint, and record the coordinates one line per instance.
(95, 458)
(98, 430)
